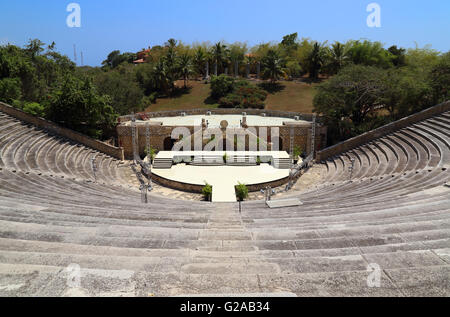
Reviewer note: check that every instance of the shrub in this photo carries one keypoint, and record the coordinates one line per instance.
(297, 151)
(230, 101)
(245, 96)
(207, 192)
(10, 89)
(241, 191)
(151, 153)
(34, 109)
(221, 86)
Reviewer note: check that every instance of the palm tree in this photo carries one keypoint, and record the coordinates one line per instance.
(199, 60)
(316, 60)
(172, 62)
(220, 56)
(272, 66)
(160, 75)
(339, 56)
(237, 55)
(185, 67)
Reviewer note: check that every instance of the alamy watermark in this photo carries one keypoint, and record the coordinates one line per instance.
(374, 278)
(74, 18)
(374, 18)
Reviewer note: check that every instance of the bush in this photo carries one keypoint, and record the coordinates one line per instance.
(151, 153)
(221, 86)
(10, 89)
(230, 101)
(207, 192)
(34, 109)
(241, 192)
(245, 96)
(297, 151)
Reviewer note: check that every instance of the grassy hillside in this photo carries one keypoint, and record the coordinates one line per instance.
(289, 96)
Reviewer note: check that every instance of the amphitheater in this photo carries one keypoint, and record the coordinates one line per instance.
(391, 214)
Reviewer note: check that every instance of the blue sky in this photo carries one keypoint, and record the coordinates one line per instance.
(133, 24)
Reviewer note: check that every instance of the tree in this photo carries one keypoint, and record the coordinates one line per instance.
(122, 86)
(171, 61)
(78, 106)
(237, 54)
(369, 54)
(115, 58)
(338, 57)
(185, 67)
(272, 66)
(440, 79)
(35, 47)
(289, 44)
(219, 54)
(316, 59)
(160, 75)
(10, 89)
(398, 55)
(200, 58)
(347, 99)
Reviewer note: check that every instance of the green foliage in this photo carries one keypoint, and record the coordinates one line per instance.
(221, 86)
(35, 109)
(10, 89)
(440, 79)
(338, 57)
(121, 85)
(289, 42)
(352, 101)
(246, 97)
(297, 151)
(186, 67)
(371, 85)
(151, 153)
(207, 192)
(398, 55)
(78, 106)
(316, 60)
(272, 65)
(370, 54)
(241, 192)
(115, 58)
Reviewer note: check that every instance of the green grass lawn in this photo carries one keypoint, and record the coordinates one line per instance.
(291, 96)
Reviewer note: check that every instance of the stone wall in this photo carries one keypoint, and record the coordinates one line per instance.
(382, 131)
(64, 132)
(160, 136)
(219, 111)
(192, 188)
(273, 184)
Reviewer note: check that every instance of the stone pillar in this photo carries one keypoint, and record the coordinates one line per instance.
(244, 122)
(207, 70)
